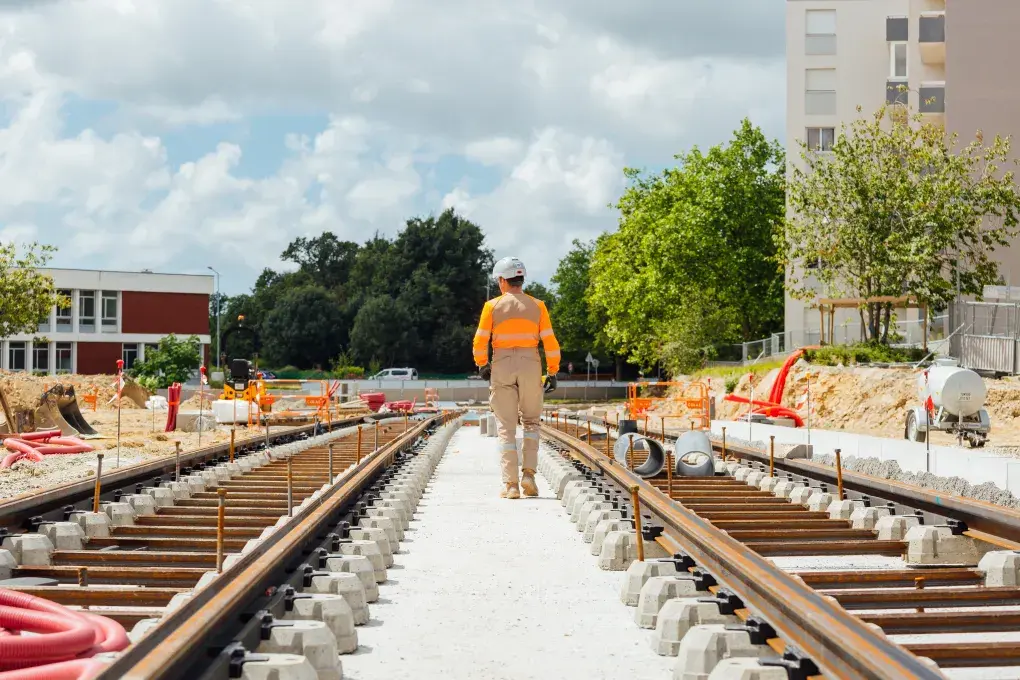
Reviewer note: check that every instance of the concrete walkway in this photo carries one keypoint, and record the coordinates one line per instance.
(491, 588)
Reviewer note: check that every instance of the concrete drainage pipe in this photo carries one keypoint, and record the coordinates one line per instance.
(656, 454)
(694, 455)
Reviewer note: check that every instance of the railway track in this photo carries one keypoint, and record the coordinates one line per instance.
(840, 575)
(196, 557)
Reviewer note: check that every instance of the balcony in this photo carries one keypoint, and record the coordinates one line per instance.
(932, 38)
(931, 103)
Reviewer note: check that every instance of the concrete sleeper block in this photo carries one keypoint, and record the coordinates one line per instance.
(937, 545)
(349, 587)
(657, 591)
(705, 646)
(7, 564)
(361, 567)
(678, 616)
(638, 574)
(366, 549)
(746, 669)
(606, 527)
(332, 610)
(63, 535)
(618, 550)
(30, 550)
(94, 524)
(895, 527)
(120, 514)
(277, 666)
(1001, 568)
(311, 639)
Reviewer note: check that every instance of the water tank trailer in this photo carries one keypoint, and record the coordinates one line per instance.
(952, 400)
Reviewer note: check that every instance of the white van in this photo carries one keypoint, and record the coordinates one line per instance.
(396, 374)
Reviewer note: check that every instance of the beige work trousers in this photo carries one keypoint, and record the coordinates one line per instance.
(515, 388)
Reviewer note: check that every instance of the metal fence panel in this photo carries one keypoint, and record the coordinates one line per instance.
(989, 353)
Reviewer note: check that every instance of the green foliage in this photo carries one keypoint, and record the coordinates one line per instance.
(172, 361)
(382, 332)
(577, 325)
(898, 209)
(342, 367)
(731, 383)
(26, 295)
(697, 237)
(541, 292)
(433, 274)
(301, 329)
(863, 353)
(688, 341)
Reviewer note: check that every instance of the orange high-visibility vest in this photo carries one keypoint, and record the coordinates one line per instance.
(516, 320)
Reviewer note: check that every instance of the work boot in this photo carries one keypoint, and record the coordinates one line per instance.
(510, 492)
(528, 483)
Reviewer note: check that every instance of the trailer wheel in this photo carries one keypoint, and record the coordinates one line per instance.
(911, 431)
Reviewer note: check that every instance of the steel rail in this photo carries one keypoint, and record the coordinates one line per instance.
(990, 519)
(16, 511)
(165, 652)
(841, 645)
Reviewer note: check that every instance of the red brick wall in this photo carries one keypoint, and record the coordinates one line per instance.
(165, 313)
(98, 357)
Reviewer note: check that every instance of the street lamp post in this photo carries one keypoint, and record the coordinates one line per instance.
(219, 303)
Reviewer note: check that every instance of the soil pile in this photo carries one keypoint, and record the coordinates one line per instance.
(23, 391)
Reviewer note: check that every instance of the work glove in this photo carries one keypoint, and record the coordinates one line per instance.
(485, 372)
(549, 383)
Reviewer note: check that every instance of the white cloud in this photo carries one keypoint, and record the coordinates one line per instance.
(552, 97)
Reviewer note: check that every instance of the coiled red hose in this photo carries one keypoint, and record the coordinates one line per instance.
(34, 445)
(79, 669)
(64, 635)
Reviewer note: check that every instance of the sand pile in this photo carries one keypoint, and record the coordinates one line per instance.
(872, 401)
(23, 390)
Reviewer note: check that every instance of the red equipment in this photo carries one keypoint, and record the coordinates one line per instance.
(773, 407)
(375, 400)
(173, 400)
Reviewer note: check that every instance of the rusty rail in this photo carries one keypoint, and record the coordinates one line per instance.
(177, 648)
(840, 644)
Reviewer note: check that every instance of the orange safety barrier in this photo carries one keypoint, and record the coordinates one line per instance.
(694, 395)
(91, 399)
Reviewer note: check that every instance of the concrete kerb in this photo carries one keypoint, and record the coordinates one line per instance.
(677, 616)
(705, 646)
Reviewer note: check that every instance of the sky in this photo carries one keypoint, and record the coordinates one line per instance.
(175, 135)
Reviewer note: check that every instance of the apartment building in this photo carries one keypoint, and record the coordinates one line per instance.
(113, 315)
(954, 57)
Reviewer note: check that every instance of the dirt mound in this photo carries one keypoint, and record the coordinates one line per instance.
(23, 390)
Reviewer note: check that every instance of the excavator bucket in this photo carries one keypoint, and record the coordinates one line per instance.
(58, 408)
(135, 392)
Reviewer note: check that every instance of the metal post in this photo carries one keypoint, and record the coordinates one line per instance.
(636, 502)
(772, 455)
(608, 454)
(221, 519)
(267, 433)
(177, 461)
(630, 453)
(376, 447)
(809, 410)
(201, 404)
(99, 482)
(724, 443)
(405, 423)
(219, 305)
(233, 433)
(83, 581)
(839, 474)
(359, 443)
(669, 475)
(290, 488)
(589, 433)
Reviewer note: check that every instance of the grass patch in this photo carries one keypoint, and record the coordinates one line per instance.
(731, 375)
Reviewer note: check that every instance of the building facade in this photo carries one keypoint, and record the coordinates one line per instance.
(113, 315)
(948, 59)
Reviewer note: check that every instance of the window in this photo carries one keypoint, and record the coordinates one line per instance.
(820, 139)
(820, 33)
(129, 353)
(109, 310)
(41, 357)
(63, 363)
(64, 318)
(16, 356)
(87, 311)
(898, 60)
(820, 91)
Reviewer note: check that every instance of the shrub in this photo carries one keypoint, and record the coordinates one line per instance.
(731, 383)
(863, 353)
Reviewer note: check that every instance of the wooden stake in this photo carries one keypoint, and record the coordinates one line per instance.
(839, 475)
(99, 482)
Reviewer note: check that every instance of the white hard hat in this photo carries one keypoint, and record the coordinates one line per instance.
(508, 268)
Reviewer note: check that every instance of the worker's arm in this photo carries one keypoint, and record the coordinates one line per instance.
(552, 348)
(480, 346)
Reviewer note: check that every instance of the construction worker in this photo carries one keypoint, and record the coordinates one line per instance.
(515, 322)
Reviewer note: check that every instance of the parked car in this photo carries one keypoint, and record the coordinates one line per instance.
(265, 375)
(396, 374)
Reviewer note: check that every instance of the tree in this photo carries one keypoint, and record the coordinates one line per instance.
(325, 259)
(898, 209)
(301, 329)
(572, 315)
(382, 332)
(26, 295)
(697, 236)
(172, 361)
(541, 292)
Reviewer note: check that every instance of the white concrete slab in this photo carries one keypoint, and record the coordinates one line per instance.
(494, 588)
